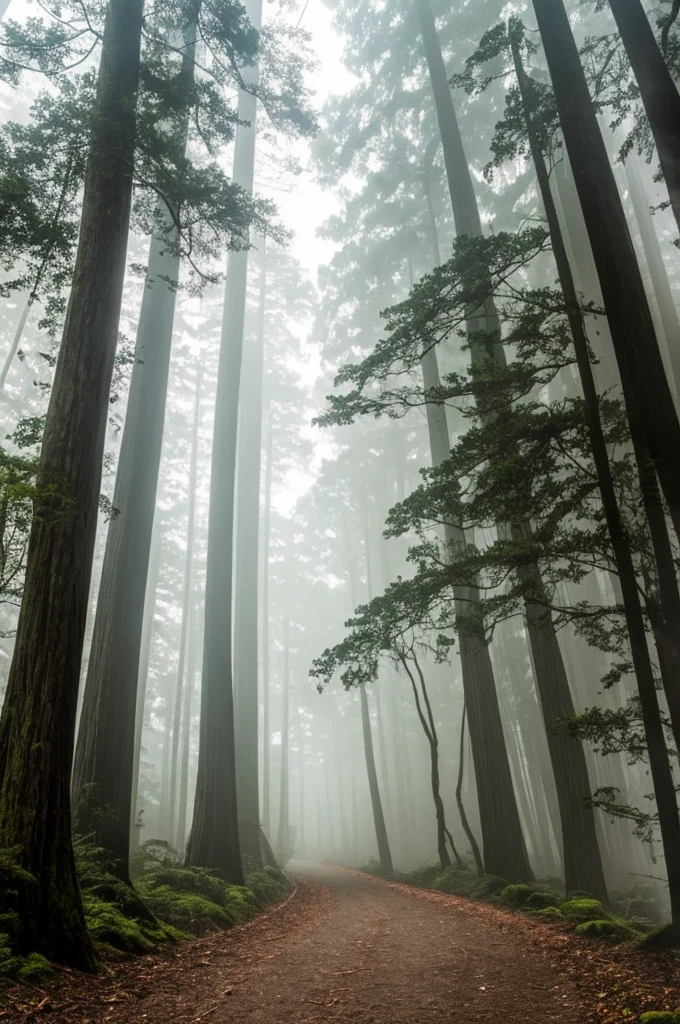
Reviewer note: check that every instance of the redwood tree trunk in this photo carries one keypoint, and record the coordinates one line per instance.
(214, 840)
(38, 718)
(504, 848)
(657, 90)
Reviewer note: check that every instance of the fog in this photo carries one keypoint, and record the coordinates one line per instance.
(247, 527)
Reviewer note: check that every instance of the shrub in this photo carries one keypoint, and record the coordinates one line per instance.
(583, 908)
(516, 895)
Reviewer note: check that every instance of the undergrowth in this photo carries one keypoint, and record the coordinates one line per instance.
(167, 902)
(630, 918)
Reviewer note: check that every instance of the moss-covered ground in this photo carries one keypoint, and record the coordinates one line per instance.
(166, 903)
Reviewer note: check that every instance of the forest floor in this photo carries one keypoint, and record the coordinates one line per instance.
(348, 947)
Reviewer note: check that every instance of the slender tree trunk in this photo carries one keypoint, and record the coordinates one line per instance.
(103, 768)
(185, 748)
(657, 90)
(504, 849)
(284, 811)
(39, 714)
(145, 659)
(384, 855)
(662, 778)
(647, 394)
(178, 707)
(214, 841)
(266, 540)
(430, 731)
(474, 846)
(246, 584)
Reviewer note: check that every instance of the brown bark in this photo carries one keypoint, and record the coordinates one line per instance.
(38, 719)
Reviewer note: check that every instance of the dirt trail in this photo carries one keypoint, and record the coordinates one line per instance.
(350, 948)
(343, 948)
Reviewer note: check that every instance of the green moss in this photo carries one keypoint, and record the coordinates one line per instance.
(461, 882)
(548, 915)
(611, 930)
(583, 908)
(516, 895)
(189, 912)
(542, 901)
(660, 1017)
(268, 885)
(667, 937)
(109, 925)
(31, 969)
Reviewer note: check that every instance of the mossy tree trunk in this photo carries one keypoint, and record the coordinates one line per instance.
(39, 715)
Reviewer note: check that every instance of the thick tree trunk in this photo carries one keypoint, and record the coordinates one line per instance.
(646, 391)
(103, 768)
(662, 778)
(39, 714)
(102, 774)
(214, 841)
(504, 849)
(246, 709)
(657, 90)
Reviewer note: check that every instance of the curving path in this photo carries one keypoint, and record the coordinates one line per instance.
(350, 948)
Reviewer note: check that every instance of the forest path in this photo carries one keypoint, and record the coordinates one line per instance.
(346, 947)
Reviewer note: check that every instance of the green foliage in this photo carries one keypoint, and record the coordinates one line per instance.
(31, 969)
(516, 895)
(609, 929)
(660, 1017)
(268, 885)
(583, 908)
(548, 915)
(469, 884)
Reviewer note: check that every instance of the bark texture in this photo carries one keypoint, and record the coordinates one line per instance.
(38, 718)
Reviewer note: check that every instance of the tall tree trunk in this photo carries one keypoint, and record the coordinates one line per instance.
(266, 541)
(568, 761)
(648, 397)
(145, 659)
(185, 748)
(657, 269)
(179, 703)
(103, 768)
(657, 90)
(384, 855)
(284, 810)
(214, 841)
(246, 707)
(504, 849)
(669, 819)
(39, 714)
